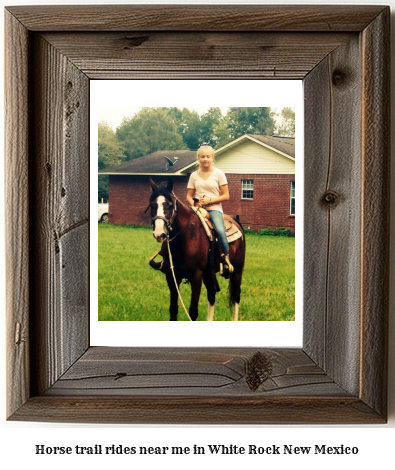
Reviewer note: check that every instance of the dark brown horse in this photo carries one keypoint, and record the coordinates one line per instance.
(177, 224)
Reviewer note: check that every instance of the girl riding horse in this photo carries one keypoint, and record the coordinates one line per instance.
(185, 244)
(209, 185)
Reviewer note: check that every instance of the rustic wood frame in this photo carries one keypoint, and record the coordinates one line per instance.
(340, 374)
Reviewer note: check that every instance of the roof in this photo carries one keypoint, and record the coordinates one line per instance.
(155, 163)
(178, 162)
(283, 144)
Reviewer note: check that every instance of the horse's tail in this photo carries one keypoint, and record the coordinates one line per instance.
(231, 296)
(234, 288)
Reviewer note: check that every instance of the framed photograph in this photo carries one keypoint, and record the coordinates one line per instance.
(339, 375)
(126, 292)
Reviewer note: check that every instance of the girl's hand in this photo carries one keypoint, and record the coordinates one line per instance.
(205, 200)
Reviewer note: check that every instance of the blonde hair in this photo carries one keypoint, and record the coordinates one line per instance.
(203, 149)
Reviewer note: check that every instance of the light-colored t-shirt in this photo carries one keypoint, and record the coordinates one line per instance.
(209, 187)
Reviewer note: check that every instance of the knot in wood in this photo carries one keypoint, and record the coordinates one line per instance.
(330, 198)
(340, 77)
(135, 41)
(259, 369)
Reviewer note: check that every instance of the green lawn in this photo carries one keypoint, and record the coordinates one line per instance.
(130, 290)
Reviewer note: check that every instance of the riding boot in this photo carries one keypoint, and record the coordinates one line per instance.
(226, 268)
(158, 265)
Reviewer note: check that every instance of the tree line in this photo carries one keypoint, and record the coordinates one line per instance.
(153, 129)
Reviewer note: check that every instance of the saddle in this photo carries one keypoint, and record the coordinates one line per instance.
(231, 229)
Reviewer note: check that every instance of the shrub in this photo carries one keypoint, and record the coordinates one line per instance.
(277, 232)
(273, 232)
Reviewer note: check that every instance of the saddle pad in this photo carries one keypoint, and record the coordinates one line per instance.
(232, 231)
(204, 223)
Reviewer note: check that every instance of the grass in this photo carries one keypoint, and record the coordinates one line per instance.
(129, 290)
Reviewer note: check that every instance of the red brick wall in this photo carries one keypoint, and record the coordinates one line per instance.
(128, 198)
(271, 203)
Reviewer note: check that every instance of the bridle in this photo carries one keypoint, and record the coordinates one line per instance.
(168, 221)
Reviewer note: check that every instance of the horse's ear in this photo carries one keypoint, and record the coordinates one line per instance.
(154, 186)
(170, 185)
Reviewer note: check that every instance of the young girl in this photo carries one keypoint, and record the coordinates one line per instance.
(210, 186)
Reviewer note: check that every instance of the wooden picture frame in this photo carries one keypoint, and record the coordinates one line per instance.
(340, 374)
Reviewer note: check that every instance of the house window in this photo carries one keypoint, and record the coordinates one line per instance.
(247, 189)
(292, 201)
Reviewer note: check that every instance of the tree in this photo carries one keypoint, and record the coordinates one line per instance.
(286, 125)
(194, 129)
(190, 129)
(151, 129)
(211, 121)
(109, 149)
(109, 154)
(243, 120)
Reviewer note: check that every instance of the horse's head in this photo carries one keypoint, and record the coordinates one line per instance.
(163, 209)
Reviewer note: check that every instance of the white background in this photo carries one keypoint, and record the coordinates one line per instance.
(18, 440)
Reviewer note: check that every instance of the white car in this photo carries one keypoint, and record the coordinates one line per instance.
(103, 213)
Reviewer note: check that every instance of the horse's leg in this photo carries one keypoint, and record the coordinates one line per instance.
(196, 287)
(173, 296)
(208, 282)
(235, 315)
(234, 293)
(210, 312)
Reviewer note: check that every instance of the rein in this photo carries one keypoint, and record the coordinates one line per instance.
(174, 277)
(178, 233)
(169, 223)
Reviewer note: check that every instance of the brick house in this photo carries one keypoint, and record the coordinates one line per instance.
(260, 172)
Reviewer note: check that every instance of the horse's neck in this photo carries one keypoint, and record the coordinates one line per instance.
(183, 215)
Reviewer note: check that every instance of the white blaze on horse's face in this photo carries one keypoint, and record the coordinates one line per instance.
(160, 226)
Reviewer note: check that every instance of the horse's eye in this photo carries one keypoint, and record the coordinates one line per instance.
(170, 206)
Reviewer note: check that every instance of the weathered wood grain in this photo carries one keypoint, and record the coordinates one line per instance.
(192, 372)
(60, 197)
(196, 17)
(332, 213)
(375, 212)
(197, 55)
(192, 410)
(339, 376)
(17, 196)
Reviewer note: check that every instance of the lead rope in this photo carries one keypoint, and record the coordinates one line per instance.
(174, 277)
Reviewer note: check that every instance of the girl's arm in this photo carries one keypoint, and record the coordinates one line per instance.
(190, 196)
(224, 196)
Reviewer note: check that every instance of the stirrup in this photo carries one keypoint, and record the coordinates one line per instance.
(154, 264)
(225, 268)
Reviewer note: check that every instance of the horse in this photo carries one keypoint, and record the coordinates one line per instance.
(177, 226)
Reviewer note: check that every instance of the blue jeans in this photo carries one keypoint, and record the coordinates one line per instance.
(217, 218)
